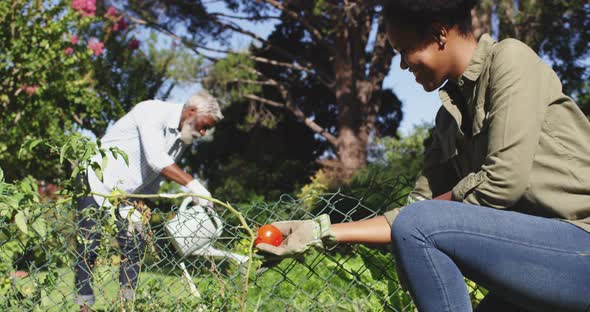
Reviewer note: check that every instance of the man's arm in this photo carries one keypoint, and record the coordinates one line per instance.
(174, 173)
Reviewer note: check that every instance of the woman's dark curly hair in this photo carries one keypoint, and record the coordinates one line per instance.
(420, 14)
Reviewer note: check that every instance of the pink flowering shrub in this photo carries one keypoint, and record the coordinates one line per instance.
(74, 39)
(85, 7)
(30, 90)
(111, 12)
(121, 25)
(133, 44)
(96, 46)
(69, 51)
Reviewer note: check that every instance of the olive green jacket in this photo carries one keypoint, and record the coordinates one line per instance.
(507, 137)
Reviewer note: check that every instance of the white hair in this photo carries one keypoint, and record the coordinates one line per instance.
(205, 104)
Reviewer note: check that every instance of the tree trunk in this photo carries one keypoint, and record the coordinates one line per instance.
(357, 90)
(351, 146)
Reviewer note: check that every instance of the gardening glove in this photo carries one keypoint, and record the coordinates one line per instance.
(195, 187)
(132, 218)
(299, 236)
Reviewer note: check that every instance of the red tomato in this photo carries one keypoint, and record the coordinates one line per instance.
(269, 234)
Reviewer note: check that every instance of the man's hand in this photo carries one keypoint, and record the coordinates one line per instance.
(299, 236)
(196, 188)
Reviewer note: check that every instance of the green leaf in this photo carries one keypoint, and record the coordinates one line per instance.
(14, 200)
(1, 175)
(117, 151)
(40, 226)
(21, 222)
(63, 151)
(75, 171)
(98, 173)
(105, 161)
(34, 143)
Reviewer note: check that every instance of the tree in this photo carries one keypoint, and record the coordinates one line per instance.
(246, 163)
(317, 47)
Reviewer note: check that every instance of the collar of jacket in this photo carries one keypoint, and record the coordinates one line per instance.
(472, 86)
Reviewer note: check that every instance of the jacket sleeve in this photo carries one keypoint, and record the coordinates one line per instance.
(436, 177)
(516, 113)
(432, 181)
(151, 127)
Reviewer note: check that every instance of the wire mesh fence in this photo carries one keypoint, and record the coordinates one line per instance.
(38, 274)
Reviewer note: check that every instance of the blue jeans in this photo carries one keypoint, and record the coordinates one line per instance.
(131, 244)
(528, 263)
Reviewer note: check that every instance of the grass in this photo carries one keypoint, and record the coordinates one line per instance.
(153, 289)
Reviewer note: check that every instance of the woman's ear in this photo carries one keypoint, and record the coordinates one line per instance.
(440, 34)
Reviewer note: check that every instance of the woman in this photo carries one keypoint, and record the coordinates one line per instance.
(511, 160)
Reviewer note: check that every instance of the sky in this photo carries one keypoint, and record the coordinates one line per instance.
(418, 106)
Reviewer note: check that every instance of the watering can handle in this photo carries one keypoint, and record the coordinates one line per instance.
(215, 218)
(184, 204)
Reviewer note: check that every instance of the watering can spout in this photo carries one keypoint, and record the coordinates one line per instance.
(213, 252)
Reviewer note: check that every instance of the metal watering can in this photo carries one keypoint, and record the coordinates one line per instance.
(194, 229)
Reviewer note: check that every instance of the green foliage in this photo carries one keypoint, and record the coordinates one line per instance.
(54, 84)
(363, 281)
(248, 165)
(28, 224)
(41, 86)
(404, 155)
(320, 184)
(382, 185)
(229, 77)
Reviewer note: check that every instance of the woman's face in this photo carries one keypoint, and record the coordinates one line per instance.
(421, 55)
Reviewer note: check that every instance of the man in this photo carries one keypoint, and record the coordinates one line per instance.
(153, 135)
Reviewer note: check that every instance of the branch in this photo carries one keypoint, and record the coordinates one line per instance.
(247, 18)
(382, 55)
(299, 115)
(314, 32)
(256, 82)
(321, 79)
(191, 45)
(282, 64)
(322, 76)
(78, 119)
(238, 30)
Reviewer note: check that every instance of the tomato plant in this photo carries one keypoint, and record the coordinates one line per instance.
(269, 234)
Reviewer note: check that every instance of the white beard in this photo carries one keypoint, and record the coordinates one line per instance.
(188, 134)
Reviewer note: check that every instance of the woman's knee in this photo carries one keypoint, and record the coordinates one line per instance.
(414, 219)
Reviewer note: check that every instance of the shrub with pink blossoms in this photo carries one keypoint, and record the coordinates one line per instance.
(85, 7)
(30, 90)
(133, 44)
(69, 51)
(111, 12)
(96, 46)
(121, 25)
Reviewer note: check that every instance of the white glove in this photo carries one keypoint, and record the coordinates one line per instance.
(195, 187)
(134, 220)
(135, 217)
